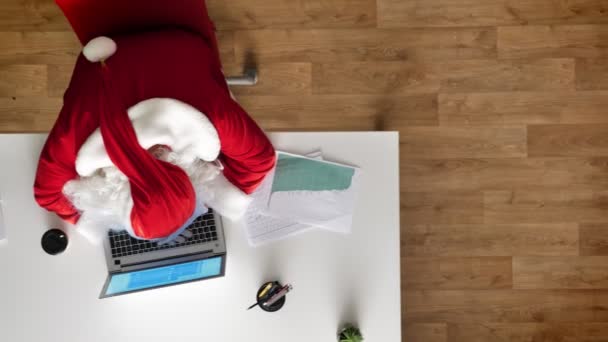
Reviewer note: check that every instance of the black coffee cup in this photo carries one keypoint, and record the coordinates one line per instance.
(54, 241)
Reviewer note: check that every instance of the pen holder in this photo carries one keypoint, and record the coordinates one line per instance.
(262, 299)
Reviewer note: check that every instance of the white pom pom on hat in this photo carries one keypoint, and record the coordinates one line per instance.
(99, 49)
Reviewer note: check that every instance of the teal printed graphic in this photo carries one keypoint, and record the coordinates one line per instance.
(300, 174)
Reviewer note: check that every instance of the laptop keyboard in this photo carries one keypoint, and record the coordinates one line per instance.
(203, 229)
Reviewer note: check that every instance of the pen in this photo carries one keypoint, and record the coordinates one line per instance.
(262, 294)
(265, 290)
(279, 295)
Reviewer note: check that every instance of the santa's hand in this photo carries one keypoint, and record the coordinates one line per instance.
(178, 237)
(170, 240)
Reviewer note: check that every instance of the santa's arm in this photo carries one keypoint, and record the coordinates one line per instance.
(56, 165)
(55, 168)
(246, 152)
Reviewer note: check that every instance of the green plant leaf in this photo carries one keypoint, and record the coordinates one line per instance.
(351, 334)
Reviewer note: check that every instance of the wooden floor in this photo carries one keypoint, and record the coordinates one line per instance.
(502, 109)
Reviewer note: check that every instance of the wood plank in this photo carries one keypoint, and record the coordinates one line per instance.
(432, 13)
(427, 332)
(22, 80)
(527, 107)
(528, 41)
(59, 76)
(389, 78)
(447, 207)
(471, 174)
(456, 273)
(511, 75)
(591, 74)
(515, 306)
(31, 15)
(460, 240)
(568, 140)
(594, 239)
(225, 45)
(545, 206)
(528, 332)
(244, 14)
(341, 112)
(338, 45)
(453, 76)
(275, 78)
(397, 112)
(39, 48)
(28, 114)
(560, 272)
(462, 142)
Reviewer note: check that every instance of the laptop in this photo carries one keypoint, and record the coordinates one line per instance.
(138, 265)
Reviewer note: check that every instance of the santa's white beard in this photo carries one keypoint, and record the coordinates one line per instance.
(105, 202)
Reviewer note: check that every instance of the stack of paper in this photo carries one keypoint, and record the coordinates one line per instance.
(301, 193)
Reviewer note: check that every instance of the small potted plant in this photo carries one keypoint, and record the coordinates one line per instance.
(350, 334)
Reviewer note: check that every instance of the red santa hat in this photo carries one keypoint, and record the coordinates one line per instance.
(163, 196)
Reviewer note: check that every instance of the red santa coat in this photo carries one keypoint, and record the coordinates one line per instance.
(168, 63)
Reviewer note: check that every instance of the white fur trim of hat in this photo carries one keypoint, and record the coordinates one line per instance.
(99, 49)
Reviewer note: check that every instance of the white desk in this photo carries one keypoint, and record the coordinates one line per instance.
(336, 278)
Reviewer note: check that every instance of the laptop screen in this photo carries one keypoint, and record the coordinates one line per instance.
(163, 275)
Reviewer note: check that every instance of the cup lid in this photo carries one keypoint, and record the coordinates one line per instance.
(54, 241)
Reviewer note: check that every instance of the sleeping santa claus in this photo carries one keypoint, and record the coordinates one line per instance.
(148, 137)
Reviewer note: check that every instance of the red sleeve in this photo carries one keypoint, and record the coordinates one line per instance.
(56, 165)
(55, 168)
(246, 152)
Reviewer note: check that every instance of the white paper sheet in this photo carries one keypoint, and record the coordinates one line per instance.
(328, 209)
(262, 228)
(324, 209)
